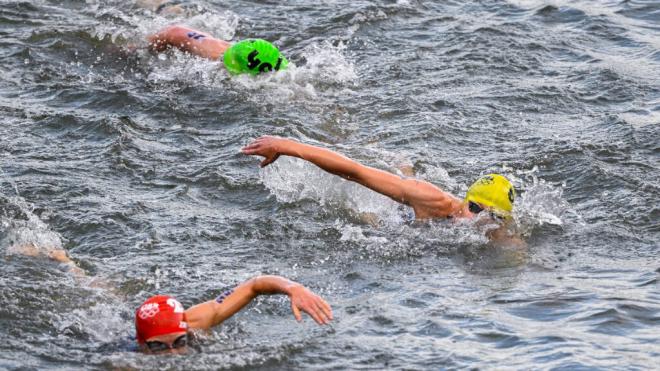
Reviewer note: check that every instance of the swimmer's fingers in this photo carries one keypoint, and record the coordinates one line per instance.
(322, 309)
(254, 148)
(314, 313)
(302, 299)
(316, 309)
(256, 145)
(325, 308)
(296, 312)
(265, 142)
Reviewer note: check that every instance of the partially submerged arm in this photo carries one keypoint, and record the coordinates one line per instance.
(189, 40)
(56, 254)
(62, 257)
(214, 312)
(426, 199)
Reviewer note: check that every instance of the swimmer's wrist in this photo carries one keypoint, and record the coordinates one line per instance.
(291, 287)
(287, 147)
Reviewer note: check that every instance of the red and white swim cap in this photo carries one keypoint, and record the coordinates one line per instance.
(159, 315)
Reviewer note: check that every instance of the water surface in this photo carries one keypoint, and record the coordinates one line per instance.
(131, 163)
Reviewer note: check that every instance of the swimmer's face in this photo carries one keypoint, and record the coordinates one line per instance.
(174, 343)
(476, 208)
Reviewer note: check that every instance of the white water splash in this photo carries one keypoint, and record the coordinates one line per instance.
(291, 179)
(112, 327)
(538, 201)
(23, 232)
(118, 22)
(178, 67)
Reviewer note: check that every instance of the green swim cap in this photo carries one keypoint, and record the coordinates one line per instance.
(253, 56)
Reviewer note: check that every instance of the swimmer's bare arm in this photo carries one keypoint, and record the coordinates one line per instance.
(62, 257)
(189, 40)
(214, 312)
(427, 200)
(58, 255)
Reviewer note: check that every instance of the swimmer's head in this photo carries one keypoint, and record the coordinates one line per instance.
(492, 191)
(254, 56)
(160, 317)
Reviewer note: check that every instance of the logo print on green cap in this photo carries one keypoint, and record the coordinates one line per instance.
(254, 56)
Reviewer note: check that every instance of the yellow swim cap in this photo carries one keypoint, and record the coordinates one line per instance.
(492, 190)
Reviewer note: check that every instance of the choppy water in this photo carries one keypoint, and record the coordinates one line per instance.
(131, 163)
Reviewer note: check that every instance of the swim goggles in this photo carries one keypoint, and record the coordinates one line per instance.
(159, 346)
(475, 208)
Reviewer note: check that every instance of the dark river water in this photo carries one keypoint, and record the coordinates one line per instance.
(131, 162)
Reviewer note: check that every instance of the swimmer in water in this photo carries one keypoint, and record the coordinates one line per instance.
(163, 326)
(491, 195)
(252, 56)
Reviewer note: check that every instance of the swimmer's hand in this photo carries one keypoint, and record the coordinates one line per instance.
(268, 147)
(302, 299)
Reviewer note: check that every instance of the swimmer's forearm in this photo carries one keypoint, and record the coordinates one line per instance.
(269, 285)
(326, 159)
(214, 312)
(383, 182)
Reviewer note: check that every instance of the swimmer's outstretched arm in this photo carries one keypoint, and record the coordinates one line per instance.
(189, 40)
(214, 312)
(426, 199)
